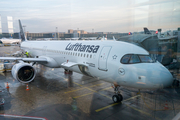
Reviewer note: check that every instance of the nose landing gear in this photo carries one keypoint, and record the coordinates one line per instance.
(117, 97)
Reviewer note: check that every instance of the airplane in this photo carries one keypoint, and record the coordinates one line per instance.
(146, 31)
(10, 41)
(119, 63)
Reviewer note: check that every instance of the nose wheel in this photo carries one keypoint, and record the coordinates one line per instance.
(117, 97)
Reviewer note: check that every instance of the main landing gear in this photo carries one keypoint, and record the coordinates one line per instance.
(117, 97)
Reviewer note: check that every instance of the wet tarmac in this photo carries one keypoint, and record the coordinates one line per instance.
(54, 95)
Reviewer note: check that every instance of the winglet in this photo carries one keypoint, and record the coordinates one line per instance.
(146, 31)
(23, 37)
(114, 38)
(103, 38)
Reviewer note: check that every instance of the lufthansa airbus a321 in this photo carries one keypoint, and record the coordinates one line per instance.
(119, 63)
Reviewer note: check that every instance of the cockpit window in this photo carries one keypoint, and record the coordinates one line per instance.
(135, 58)
(145, 59)
(125, 59)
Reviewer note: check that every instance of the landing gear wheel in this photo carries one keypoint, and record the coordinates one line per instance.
(120, 97)
(115, 98)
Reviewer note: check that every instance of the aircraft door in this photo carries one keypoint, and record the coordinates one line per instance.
(102, 62)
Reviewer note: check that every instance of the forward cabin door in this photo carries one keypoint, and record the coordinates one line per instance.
(103, 57)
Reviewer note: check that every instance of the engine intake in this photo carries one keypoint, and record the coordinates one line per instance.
(23, 72)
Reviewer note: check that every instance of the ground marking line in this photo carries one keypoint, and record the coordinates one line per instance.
(83, 88)
(115, 103)
(105, 88)
(83, 95)
(110, 98)
(106, 107)
(142, 112)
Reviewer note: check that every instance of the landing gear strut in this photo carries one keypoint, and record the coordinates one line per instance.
(117, 97)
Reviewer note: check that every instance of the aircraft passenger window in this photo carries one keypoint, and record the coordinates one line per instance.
(84, 55)
(125, 59)
(145, 58)
(87, 55)
(73, 54)
(134, 59)
(90, 56)
(81, 54)
(78, 54)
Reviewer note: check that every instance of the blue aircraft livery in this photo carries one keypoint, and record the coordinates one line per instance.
(82, 48)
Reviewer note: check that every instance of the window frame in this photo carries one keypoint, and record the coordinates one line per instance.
(135, 62)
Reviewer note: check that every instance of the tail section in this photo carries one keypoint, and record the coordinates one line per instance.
(23, 37)
(146, 31)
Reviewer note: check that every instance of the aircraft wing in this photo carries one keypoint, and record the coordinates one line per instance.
(25, 59)
(71, 64)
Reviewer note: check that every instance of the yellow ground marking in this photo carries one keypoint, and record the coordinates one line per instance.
(83, 95)
(156, 109)
(6, 53)
(109, 98)
(115, 104)
(97, 92)
(106, 88)
(131, 98)
(92, 90)
(143, 112)
(83, 88)
(97, 85)
(77, 84)
(98, 110)
(106, 107)
(74, 90)
(86, 87)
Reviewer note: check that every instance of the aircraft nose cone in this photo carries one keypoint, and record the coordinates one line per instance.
(160, 77)
(167, 79)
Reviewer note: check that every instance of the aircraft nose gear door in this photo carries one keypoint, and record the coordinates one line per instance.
(102, 63)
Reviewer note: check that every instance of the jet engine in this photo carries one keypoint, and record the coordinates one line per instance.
(23, 72)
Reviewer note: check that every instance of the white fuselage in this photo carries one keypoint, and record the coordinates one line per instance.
(103, 59)
(10, 41)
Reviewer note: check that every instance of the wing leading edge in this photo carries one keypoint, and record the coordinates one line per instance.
(25, 59)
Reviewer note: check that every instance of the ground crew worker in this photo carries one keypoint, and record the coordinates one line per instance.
(27, 54)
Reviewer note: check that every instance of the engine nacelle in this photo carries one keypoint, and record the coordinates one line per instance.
(23, 72)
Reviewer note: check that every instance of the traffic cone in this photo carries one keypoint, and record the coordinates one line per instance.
(7, 85)
(166, 106)
(27, 87)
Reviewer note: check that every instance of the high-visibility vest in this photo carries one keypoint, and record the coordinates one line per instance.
(27, 54)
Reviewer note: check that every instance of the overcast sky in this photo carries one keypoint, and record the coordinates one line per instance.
(100, 15)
